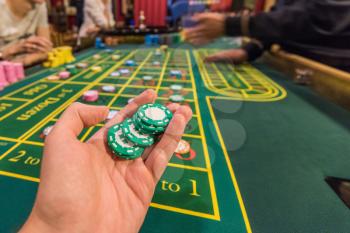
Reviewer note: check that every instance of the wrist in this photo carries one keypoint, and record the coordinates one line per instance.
(10, 51)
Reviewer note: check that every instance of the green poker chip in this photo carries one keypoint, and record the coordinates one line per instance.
(134, 135)
(155, 115)
(145, 128)
(120, 146)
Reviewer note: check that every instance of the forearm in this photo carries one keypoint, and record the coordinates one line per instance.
(31, 59)
(9, 51)
(44, 32)
(302, 21)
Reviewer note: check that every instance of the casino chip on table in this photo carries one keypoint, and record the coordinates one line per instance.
(115, 74)
(176, 87)
(82, 65)
(53, 78)
(96, 69)
(108, 88)
(176, 73)
(91, 96)
(46, 131)
(130, 63)
(183, 147)
(176, 98)
(128, 139)
(156, 63)
(97, 56)
(64, 74)
(124, 72)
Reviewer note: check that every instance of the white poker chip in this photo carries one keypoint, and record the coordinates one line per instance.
(108, 88)
(69, 67)
(115, 74)
(112, 114)
(176, 98)
(82, 65)
(47, 130)
(147, 78)
(176, 87)
(124, 71)
(175, 72)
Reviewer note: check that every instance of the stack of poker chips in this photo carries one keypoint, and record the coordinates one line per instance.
(129, 139)
(59, 56)
(177, 96)
(10, 72)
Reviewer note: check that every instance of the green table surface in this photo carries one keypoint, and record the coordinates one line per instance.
(260, 165)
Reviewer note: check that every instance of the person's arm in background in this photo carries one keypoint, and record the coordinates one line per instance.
(302, 21)
(97, 16)
(248, 52)
(306, 20)
(36, 48)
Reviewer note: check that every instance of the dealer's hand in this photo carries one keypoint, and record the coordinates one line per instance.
(210, 26)
(230, 56)
(83, 189)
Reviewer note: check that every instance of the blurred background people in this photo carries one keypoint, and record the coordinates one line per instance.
(24, 31)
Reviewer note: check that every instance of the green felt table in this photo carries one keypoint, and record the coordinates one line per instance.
(261, 146)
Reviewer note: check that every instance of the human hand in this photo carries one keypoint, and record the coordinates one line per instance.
(84, 189)
(93, 30)
(209, 27)
(36, 44)
(230, 56)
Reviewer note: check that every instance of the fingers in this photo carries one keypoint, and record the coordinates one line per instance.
(162, 152)
(201, 17)
(217, 57)
(173, 107)
(31, 48)
(194, 33)
(230, 56)
(77, 117)
(145, 97)
(38, 44)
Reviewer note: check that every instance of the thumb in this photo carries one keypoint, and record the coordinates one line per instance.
(79, 116)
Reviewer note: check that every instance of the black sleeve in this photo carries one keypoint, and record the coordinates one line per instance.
(304, 20)
(255, 49)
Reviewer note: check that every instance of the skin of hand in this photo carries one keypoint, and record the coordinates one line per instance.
(12, 50)
(34, 44)
(84, 189)
(93, 30)
(30, 59)
(209, 27)
(235, 56)
(37, 44)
